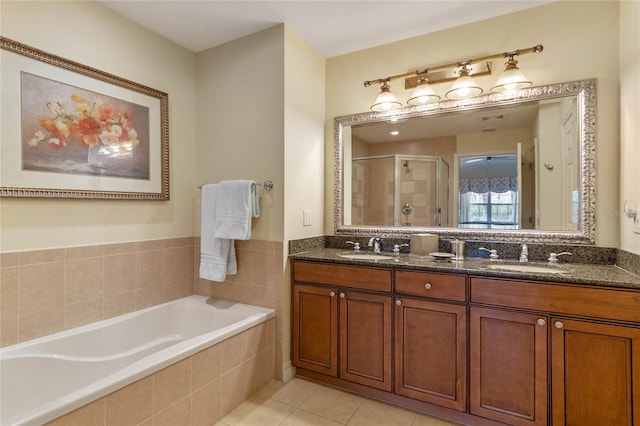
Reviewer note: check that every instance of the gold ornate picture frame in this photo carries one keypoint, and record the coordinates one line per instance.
(71, 131)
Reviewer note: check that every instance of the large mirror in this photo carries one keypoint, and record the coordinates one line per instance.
(499, 167)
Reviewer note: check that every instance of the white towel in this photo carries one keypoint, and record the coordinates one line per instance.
(237, 202)
(217, 255)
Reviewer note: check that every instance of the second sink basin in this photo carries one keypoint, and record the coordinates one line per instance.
(365, 256)
(528, 268)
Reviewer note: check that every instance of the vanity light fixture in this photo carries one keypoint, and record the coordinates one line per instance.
(463, 87)
(423, 93)
(386, 100)
(511, 78)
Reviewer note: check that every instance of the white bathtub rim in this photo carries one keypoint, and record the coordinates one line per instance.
(135, 371)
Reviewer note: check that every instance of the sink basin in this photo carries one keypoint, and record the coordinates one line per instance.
(528, 268)
(365, 256)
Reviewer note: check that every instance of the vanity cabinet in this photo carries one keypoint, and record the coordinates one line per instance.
(596, 373)
(594, 348)
(342, 322)
(508, 366)
(430, 338)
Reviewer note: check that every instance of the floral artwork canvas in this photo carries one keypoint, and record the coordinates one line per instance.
(67, 129)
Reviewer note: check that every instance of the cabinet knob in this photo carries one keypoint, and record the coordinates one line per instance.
(559, 324)
(541, 321)
(342, 295)
(332, 294)
(427, 286)
(398, 302)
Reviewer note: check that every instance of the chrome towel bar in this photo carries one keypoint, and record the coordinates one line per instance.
(268, 185)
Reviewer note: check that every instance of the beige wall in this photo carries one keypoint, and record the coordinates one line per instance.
(240, 130)
(630, 111)
(575, 47)
(88, 33)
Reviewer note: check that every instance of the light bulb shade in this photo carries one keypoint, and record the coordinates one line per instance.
(386, 101)
(463, 88)
(511, 79)
(423, 94)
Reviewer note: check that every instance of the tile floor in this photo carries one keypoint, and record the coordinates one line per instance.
(303, 403)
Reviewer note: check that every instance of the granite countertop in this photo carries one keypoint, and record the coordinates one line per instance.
(575, 273)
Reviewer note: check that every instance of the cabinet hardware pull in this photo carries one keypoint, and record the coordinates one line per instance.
(342, 295)
(332, 294)
(541, 321)
(427, 286)
(558, 324)
(398, 302)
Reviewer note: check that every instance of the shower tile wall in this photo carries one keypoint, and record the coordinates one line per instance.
(46, 291)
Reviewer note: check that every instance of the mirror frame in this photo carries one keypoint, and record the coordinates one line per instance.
(584, 90)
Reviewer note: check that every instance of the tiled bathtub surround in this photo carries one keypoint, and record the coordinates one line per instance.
(47, 291)
(198, 390)
(258, 282)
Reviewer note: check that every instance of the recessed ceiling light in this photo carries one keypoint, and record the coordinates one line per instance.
(394, 133)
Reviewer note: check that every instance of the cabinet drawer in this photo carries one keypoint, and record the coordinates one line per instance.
(558, 298)
(428, 284)
(343, 276)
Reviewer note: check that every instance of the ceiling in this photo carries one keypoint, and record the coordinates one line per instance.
(332, 27)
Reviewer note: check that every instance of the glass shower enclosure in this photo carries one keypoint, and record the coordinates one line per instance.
(400, 190)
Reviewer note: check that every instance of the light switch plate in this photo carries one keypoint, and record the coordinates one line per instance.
(306, 217)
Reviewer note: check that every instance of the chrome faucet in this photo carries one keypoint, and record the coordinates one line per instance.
(376, 243)
(524, 254)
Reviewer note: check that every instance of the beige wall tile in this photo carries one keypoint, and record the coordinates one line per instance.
(178, 242)
(131, 404)
(172, 384)
(119, 248)
(9, 259)
(257, 339)
(174, 290)
(259, 371)
(81, 313)
(149, 245)
(41, 286)
(40, 323)
(175, 264)
(234, 351)
(177, 414)
(9, 291)
(205, 404)
(119, 273)
(91, 414)
(234, 388)
(148, 296)
(149, 268)
(8, 330)
(84, 279)
(119, 304)
(206, 366)
(42, 256)
(72, 253)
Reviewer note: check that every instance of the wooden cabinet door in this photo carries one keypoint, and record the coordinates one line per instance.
(315, 329)
(365, 339)
(595, 373)
(508, 366)
(431, 352)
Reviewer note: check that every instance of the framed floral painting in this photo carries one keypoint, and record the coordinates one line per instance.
(72, 131)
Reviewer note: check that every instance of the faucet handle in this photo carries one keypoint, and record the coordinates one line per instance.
(356, 246)
(493, 254)
(396, 248)
(553, 257)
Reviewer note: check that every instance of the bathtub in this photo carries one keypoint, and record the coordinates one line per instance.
(44, 378)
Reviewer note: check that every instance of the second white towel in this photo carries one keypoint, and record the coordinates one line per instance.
(236, 203)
